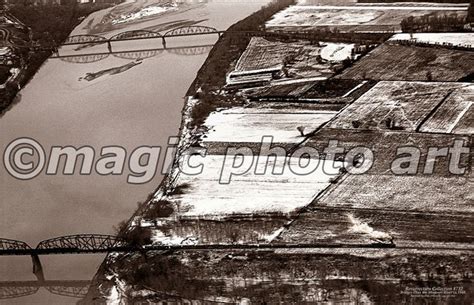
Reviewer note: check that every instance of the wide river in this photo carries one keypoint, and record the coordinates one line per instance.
(91, 104)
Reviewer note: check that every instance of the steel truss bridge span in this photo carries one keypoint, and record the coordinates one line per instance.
(81, 243)
(194, 30)
(86, 41)
(13, 245)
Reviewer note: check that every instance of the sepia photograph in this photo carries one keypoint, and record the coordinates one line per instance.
(196, 152)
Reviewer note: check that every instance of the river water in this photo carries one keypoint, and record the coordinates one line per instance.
(121, 102)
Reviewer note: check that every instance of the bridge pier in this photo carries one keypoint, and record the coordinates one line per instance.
(37, 268)
(163, 40)
(55, 50)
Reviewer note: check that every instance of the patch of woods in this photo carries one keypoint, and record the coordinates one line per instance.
(208, 102)
(470, 12)
(4, 74)
(50, 25)
(163, 208)
(434, 23)
(7, 95)
(446, 23)
(166, 275)
(328, 34)
(468, 78)
(134, 236)
(149, 210)
(159, 209)
(269, 278)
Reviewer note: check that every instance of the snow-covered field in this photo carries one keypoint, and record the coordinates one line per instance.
(251, 124)
(309, 16)
(250, 193)
(400, 104)
(323, 15)
(457, 39)
(421, 193)
(393, 61)
(455, 115)
(262, 54)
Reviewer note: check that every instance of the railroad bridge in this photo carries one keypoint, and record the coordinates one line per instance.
(81, 243)
(85, 41)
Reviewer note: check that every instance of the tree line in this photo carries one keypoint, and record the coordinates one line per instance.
(470, 12)
(434, 23)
